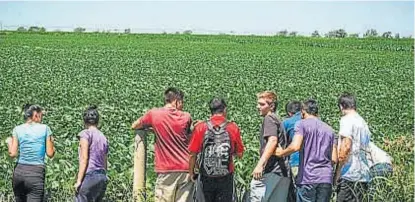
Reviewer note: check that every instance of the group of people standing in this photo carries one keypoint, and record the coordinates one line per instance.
(301, 158)
(30, 142)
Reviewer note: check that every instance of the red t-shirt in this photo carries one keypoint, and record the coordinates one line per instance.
(198, 134)
(172, 129)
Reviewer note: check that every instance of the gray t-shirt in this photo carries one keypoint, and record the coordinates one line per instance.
(271, 126)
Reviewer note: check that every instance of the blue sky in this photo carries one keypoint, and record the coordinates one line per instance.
(249, 17)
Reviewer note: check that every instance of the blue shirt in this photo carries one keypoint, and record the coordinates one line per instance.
(289, 125)
(32, 142)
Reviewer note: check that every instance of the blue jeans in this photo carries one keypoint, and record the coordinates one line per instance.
(314, 192)
(93, 187)
(381, 170)
(378, 184)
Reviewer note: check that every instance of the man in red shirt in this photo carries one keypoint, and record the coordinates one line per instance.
(220, 187)
(171, 126)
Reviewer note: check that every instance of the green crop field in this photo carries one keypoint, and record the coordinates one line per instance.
(125, 75)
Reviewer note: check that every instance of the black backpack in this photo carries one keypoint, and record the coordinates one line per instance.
(216, 152)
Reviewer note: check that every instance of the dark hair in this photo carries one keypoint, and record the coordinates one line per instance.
(347, 101)
(217, 105)
(293, 107)
(172, 94)
(91, 115)
(311, 107)
(28, 110)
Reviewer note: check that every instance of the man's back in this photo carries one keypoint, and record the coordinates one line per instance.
(315, 155)
(172, 129)
(356, 167)
(199, 131)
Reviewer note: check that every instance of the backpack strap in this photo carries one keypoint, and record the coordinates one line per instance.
(211, 127)
(224, 124)
(202, 155)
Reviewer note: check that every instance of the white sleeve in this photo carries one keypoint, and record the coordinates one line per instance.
(346, 128)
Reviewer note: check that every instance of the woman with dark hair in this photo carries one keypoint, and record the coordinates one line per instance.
(93, 150)
(30, 141)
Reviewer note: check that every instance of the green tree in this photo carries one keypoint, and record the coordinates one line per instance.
(187, 32)
(371, 33)
(21, 29)
(293, 33)
(79, 30)
(282, 33)
(387, 34)
(315, 34)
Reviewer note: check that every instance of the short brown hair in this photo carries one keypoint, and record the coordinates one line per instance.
(172, 94)
(270, 97)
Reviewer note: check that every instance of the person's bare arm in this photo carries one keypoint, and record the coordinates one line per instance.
(345, 139)
(144, 122)
(239, 155)
(334, 157)
(345, 148)
(13, 147)
(192, 163)
(268, 151)
(137, 124)
(50, 147)
(83, 161)
(293, 147)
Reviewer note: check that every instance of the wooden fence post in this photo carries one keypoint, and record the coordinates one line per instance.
(140, 157)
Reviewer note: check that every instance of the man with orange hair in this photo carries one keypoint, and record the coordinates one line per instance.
(271, 174)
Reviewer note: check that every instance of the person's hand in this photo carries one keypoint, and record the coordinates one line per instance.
(193, 177)
(278, 152)
(77, 186)
(196, 122)
(257, 174)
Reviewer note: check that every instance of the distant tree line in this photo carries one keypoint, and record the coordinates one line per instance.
(338, 33)
(370, 33)
(31, 29)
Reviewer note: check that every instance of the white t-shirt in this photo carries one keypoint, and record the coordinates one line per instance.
(356, 168)
(377, 155)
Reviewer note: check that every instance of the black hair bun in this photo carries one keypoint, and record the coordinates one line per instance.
(92, 107)
(26, 106)
(91, 115)
(28, 110)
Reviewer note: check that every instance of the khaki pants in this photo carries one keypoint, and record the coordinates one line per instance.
(174, 187)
